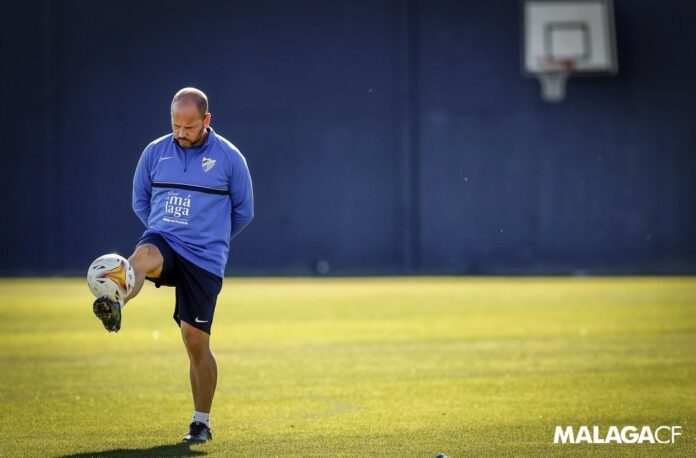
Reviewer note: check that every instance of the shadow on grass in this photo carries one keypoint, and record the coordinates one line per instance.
(169, 450)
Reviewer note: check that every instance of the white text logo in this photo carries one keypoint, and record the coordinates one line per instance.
(177, 208)
(625, 435)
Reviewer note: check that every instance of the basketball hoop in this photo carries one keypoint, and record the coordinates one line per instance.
(552, 78)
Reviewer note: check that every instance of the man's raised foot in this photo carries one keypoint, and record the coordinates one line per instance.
(109, 313)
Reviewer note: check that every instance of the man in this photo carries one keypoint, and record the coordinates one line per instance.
(193, 192)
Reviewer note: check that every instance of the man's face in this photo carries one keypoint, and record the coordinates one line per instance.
(188, 125)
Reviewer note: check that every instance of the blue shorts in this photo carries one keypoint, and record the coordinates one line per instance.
(196, 289)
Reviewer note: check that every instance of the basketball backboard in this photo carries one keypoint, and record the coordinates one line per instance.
(573, 37)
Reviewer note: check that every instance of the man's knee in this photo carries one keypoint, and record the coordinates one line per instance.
(195, 340)
(147, 258)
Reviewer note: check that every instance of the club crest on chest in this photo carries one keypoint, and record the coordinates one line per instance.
(207, 164)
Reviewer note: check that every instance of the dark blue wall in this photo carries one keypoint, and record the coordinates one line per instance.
(382, 136)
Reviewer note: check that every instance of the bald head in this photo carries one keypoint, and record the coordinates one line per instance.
(192, 96)
(190, 117)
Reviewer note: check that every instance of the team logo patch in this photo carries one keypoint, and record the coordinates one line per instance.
(207, 164)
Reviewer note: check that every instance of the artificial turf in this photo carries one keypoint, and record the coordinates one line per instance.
(403, 367)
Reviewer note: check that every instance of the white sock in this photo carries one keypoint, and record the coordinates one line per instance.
(201, 417)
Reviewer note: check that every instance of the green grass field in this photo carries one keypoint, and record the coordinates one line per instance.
(403, 367)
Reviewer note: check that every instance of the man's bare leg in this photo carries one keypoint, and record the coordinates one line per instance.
(202, 372)
(147, 261)
(202, 368)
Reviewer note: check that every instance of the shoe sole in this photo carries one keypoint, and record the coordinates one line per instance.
(103, 311)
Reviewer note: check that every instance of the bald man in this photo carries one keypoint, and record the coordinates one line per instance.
(192, 191)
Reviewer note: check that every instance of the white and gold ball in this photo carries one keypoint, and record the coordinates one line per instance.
(112, 276)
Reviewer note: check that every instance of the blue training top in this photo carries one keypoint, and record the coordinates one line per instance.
(197, 198)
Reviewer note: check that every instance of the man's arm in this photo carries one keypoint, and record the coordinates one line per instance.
(142, 187)
(242, 195)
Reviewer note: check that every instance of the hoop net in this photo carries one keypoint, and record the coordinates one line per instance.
(553, 76)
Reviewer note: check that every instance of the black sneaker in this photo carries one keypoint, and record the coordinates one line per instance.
(109, 313)
(198, 433)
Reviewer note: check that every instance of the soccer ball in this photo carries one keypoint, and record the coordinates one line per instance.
(112, 276)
